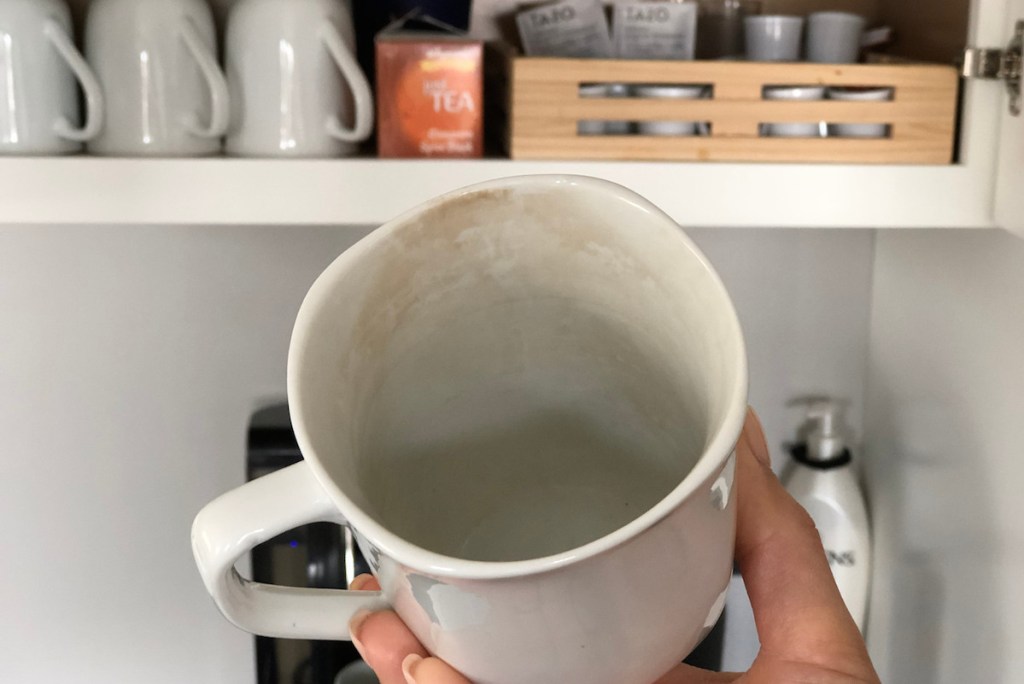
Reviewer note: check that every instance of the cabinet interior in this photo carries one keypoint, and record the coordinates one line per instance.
(927, 30)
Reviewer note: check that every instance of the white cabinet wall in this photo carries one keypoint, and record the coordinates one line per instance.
(945, 456)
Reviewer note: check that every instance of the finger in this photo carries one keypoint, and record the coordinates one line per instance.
(753, 439)
(364, 582)
(799, 612)
(414, 668)
(384, 641)
(430, 671)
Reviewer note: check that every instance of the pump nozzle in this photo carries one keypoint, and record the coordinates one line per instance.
(824, 442)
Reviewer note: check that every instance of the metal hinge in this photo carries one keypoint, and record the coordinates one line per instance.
(1004, 65)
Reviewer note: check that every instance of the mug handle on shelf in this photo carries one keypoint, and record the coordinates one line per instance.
(346, 61)
(61, 42)
(231, 525)
(215, 80)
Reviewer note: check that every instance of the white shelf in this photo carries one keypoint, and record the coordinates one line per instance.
(84, 190)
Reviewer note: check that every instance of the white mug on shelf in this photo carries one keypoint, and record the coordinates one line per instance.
(519, 396)
(39, 110)
(834, 37)
(295, 81)
(157, 62)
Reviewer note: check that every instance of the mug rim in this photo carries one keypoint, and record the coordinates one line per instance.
(719, 448)
(789, 19)
(851, 17)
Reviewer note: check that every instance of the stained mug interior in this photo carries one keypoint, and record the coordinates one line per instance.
(514, 373)
(523, 398)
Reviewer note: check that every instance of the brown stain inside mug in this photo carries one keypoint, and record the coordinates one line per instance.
(413, 252)
(503, 335)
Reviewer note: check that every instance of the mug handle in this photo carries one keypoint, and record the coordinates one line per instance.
(218, 85)
(349, 68)
(231, 525)
(61, 42)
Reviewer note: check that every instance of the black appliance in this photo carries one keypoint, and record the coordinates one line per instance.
(323, 555)
(319, 555)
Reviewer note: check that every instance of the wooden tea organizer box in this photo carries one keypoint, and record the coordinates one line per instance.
(547, 108)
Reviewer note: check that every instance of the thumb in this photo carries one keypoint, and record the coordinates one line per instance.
(798, 609)
(419, 670)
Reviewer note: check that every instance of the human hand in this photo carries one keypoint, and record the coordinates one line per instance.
(806, 633)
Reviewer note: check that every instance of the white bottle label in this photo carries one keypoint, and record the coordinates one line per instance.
(844, 559)
(847, 552)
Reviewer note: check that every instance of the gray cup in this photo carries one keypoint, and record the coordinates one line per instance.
(773, 38)
(834, 37)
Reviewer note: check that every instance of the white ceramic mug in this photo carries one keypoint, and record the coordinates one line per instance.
(39, 111)
(773, 38)
(293, 73)
(523, 397)
(157, 63)
(834, 37)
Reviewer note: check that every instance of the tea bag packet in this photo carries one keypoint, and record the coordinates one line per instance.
(654, 30)
(571, 28)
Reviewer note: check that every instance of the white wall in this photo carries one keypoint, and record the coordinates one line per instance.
(803, 298)
(945, 456)
(130, 359)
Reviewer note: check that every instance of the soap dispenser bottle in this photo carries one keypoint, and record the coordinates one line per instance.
(822, 480)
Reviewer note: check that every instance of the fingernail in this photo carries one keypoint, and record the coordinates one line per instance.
(409, 666)
(354, 625)
(360, 581)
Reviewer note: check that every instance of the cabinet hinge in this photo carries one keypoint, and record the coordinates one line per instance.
(1003, 65)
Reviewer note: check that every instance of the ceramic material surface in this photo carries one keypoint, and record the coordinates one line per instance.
(773, 38)
(39, 111)
(834, 37)
(294, 77)
(668, 92)
(518, 396)
(795, 130)
(157, 63)
(859, 130)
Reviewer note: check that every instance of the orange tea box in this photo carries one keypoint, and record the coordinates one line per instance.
(429, 95)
